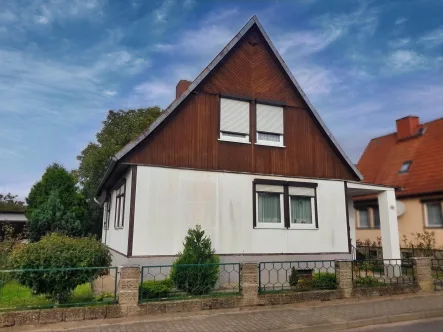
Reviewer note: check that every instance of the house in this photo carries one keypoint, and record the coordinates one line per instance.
(12, 217)
(242, 152)
(410, 159)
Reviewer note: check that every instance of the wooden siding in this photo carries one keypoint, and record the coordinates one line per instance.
(190, 137)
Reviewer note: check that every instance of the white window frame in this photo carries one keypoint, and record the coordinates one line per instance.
(269, 143)
(281, 224)
(224, 136)
(426, 213)
(313, 225)
(107, 213)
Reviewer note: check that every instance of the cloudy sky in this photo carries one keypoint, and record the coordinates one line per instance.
(64, 64)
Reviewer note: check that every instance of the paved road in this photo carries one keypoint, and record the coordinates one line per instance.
(430, 325)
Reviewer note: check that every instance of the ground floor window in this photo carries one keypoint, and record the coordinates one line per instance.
(289, 205)
(434, 214)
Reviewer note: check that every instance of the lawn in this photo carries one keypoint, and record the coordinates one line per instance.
(14, 295)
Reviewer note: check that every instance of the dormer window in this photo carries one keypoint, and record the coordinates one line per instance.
(405, 166)
(234, 120)
(269, 125)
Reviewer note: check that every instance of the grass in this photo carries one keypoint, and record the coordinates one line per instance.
(13, 295)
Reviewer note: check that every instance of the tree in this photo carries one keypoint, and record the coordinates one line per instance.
(10, 203)
(119, 128)
(201, 276)
(56, 205)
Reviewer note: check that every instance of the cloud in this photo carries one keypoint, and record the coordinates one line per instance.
(162, 12)
(399, 42)
(400, 20)
(315, 81)
(304, 43)
(110, 92)
(406, 60)
(433, 38)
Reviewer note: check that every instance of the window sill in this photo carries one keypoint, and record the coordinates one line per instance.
(303, 227)
(436, 226)
(232, 141)
(261, 226)
(367, 228)
(118, 228)
(270, 145)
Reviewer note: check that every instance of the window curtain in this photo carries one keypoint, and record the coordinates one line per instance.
(269, 208)
(435, 217)
(301, 211)
(363, 218)
(269, 137)
(376, 213)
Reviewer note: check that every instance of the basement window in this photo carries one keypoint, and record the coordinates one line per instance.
(405, 166)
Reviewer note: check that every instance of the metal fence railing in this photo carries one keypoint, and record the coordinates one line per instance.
(57, 287)
(380, 272)
(296, 276)
(164, 282)
(437, 273)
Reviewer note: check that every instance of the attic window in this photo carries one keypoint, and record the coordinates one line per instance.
(405, 166)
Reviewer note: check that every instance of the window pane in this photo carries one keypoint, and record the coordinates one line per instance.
(363, 217)
(376, 217)
(435, 217)
(268, 137)
(269, 208)
(301, 210)
(233, 135)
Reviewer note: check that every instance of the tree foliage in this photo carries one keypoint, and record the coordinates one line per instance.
(119, 128)
(59, 251)
(196, 279)
(10, 203)
(56, 205)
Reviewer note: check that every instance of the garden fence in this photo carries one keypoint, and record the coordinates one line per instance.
(163, 282)
(437, 273)
(296, 275)
(374, 252)
(380, 272)
(57, 287)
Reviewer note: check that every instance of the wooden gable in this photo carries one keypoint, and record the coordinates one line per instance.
(189, 137)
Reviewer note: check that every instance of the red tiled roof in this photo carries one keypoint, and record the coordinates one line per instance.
(383, 157)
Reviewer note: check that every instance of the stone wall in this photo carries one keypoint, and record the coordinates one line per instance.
(128, 294)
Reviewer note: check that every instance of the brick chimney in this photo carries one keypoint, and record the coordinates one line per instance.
(181, 87)
(407, 126)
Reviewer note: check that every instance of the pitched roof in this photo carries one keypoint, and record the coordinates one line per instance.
(173, 106)
(383, 157)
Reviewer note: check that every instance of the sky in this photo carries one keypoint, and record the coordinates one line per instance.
(64, 64)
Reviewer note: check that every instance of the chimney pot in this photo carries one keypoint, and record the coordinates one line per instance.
(407, 126)
(182, 86)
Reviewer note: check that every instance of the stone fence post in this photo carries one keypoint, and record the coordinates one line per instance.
(249, 284)
(128, 285)
(423, 273)
(343, 271)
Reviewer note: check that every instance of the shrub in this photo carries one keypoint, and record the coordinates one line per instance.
(59, 251)
(293, 277)
(196, 279)
(324, 280)
(367, 281)
(156, 288)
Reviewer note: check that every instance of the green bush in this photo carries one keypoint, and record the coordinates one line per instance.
(293, 277)
(59, 251)
(186, 274)
(156, 288)
(367, 281)
(324, 280)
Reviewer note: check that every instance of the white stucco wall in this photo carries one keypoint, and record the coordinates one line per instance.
(169, 201)
(117, 239)
(351, 214)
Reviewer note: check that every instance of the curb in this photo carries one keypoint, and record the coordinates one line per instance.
(340, 326)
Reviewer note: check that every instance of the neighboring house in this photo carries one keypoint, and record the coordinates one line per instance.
(242, 152)
(16, 219)
(411, 159)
